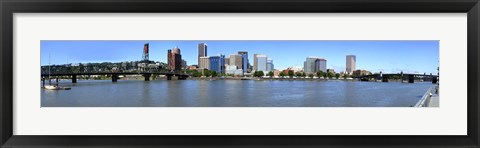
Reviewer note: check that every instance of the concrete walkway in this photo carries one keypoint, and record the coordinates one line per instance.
(434, 101)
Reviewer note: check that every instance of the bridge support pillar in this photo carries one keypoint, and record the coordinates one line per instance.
(434, 80)
(169, 77)
(114, 77)
(74, 78)
(147, 77)
(411, 78)
(43, 81)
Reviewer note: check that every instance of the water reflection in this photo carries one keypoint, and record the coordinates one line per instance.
(235, 93)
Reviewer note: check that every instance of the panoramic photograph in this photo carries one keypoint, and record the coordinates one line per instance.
(239, 73)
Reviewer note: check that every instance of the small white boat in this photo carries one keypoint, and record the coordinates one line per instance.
(50, 86)
(56, 87)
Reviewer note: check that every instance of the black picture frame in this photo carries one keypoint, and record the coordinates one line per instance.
(9, 7)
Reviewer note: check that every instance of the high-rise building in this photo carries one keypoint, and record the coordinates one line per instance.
(245, 63)
(174, 60)
(270, 64)
(309, 64)
(261, 62)
(217, 63)
(204, 62)
(202, 52)
(350, 65)
(169, 58)
(184, 64)
(236, 60)
(227, 61)
(321, 65)
(255, 62)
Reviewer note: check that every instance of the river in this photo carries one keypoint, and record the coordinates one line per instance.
(234, 93)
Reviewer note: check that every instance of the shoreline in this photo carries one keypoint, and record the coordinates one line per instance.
(239, 78)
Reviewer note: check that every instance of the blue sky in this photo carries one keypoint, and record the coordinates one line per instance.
(375, 56)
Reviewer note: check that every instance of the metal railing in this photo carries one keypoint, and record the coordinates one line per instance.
(425, 100)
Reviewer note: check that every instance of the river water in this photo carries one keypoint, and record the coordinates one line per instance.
(234, 93)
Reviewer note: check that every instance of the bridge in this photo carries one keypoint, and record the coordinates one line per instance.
(410, 78)
(115, 74)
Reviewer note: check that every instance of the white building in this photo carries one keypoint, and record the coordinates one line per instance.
(351, 62)
(232, 69)
(261, 62)
(204, 63)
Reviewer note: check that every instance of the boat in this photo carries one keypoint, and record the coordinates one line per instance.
(56, 87)
(50, 86)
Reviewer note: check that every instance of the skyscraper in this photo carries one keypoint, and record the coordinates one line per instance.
(227, 61)
(309, 64)
(174, 60)
(321, 65)
(236, 60)
(202, 52)
(350, 65)
(270, 64)
(261, 62)
(204, 62)
(244, 55)
(255, 62)
(217, 63)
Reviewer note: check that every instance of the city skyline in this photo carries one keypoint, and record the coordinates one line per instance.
(375, 56)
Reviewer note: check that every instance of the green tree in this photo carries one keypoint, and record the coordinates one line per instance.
(330, 75)
(282, 74)
(207, 73)
(310, 75)
(196, 73)
(320, 74)
(299, 74)
(214, 73)
(345, 76)
(270, 74)
(337, 75)
(290, 74)
(258, 74)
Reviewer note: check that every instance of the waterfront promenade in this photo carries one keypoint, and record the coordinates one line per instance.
(430, 98)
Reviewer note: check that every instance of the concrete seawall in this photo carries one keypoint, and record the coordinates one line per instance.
(430, 98)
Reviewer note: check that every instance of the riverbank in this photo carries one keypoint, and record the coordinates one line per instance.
(141, 78)
(266, 79)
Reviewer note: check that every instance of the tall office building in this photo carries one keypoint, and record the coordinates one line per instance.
(351, 62)
(202, 52)
(236, 60)
(184, 64)
(245, 63)
(174, 60)
(309, 64)
(321, 65)
(261, 62)
(217, 64)
(255, 62)
(270, 64)
(204, 62)
(226, 61)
